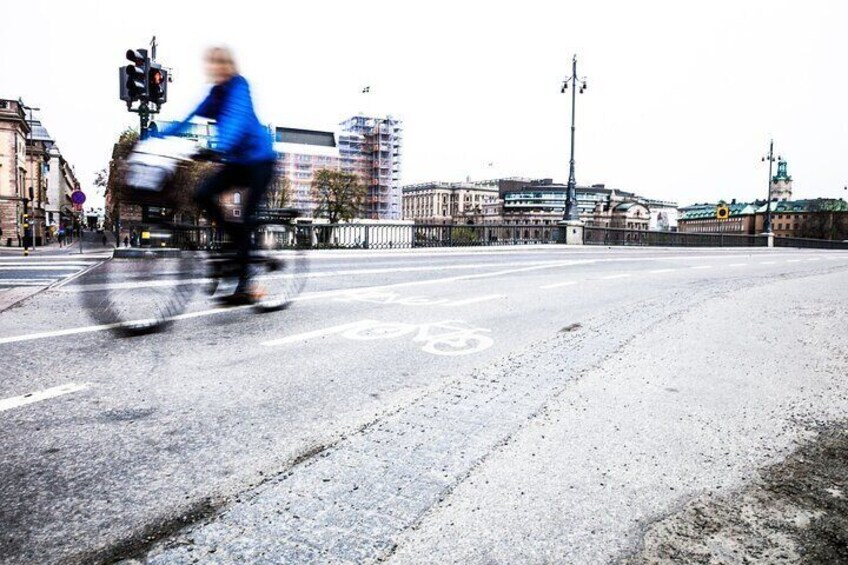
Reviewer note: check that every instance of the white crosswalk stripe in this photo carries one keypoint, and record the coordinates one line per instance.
(42, 271)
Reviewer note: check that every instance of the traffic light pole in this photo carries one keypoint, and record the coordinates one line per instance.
(144, 119)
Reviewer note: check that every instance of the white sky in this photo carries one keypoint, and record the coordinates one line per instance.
(682, 96)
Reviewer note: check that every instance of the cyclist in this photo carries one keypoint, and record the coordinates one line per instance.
(244, 146)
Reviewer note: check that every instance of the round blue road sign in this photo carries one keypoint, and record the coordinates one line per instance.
(78, 197)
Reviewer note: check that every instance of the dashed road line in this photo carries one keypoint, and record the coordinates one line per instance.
(23, 400)
(612, 277)
(660, 271)
(559, 284)
(699, 267)
(474, 300)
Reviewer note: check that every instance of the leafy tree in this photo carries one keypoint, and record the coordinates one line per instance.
(339, 195)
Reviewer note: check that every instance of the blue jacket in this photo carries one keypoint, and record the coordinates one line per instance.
(241, 138)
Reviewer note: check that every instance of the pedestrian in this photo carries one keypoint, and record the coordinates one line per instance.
(105, 242)
(126, 241)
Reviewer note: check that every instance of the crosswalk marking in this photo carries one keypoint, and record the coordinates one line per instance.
(42, 271)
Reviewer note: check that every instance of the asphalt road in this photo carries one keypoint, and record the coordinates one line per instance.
(355, 424)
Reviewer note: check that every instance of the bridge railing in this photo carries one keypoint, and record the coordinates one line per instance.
(618, 236)
(810, 243)
(407, 236)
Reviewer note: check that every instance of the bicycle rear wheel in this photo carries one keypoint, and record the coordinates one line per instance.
(140, 291)
(282, 269)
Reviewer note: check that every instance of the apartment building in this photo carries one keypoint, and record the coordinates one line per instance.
(301, 154)
(371, 147)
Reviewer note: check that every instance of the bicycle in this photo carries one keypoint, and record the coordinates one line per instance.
(144, 289)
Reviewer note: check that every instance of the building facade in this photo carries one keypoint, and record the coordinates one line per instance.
(819, 218)
(371, 148)
(61, 182)
(14, 130)
(446, 203)
(300, 154)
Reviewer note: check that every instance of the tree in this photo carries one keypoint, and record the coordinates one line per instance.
(179, 195)
(339, 195)
(279, 193)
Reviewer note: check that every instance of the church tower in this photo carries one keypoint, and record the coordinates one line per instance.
(781, 183)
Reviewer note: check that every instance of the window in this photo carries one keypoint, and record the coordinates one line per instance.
(236, 212)
(237, 198)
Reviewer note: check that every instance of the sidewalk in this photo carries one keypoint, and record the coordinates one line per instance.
(92, 243)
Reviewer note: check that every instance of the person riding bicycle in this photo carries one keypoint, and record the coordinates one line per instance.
(246, 149)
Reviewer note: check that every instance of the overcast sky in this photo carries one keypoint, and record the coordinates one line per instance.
(681, 102)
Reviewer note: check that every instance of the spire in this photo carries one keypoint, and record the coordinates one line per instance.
(782, 174)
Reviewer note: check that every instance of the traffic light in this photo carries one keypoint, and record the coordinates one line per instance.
(133, 76)
(157, 84)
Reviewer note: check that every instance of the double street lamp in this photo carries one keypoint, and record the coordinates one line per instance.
(572, 211)
(771, 159)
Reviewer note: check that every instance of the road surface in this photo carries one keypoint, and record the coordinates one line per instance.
(521, 404)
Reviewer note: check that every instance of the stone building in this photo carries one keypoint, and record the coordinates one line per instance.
(448, 202)
(14, 130)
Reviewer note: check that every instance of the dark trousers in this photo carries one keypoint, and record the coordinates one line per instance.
(254, 178)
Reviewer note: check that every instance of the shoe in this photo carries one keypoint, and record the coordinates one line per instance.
(244, 296)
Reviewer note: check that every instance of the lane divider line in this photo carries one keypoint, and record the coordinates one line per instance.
(319, 333)
(24, 399)
(702, 267)
(559, 284)
(475, 300)
(660, 271)
(611, 277)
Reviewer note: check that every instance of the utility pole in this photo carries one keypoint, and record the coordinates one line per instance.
(771, 159)
(572, 211)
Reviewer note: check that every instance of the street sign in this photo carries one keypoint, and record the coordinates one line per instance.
(723, 212)
(77, 207)
(78, 197)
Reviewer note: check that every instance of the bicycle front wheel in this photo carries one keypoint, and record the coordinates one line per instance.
(140, 291)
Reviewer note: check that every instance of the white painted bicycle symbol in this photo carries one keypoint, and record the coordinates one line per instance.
(451, 337)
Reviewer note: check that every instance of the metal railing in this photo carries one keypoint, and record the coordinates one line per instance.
(618, 236)
(406, 236)
(810, 243)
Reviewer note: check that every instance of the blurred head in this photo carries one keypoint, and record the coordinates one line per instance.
(220, 65)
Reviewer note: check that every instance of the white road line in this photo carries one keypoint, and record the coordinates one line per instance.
(45, 265)
(24, 281)
(23, 400)
(318, 333)
(346, 273)
(793, 260)
(474, 300)
(813, 259)
(768, 262)
(702, 267)
(308, 296)
(39, 268)
(559, 284)
(736, 265)
(659, 271)
(611, 277)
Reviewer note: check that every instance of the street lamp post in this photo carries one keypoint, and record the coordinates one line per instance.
(771, 159)
(572, 212)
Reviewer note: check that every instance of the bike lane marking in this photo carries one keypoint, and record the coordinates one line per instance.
(444, 338)
(24, 399)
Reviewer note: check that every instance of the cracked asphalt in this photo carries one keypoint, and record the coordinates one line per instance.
(535, 404)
